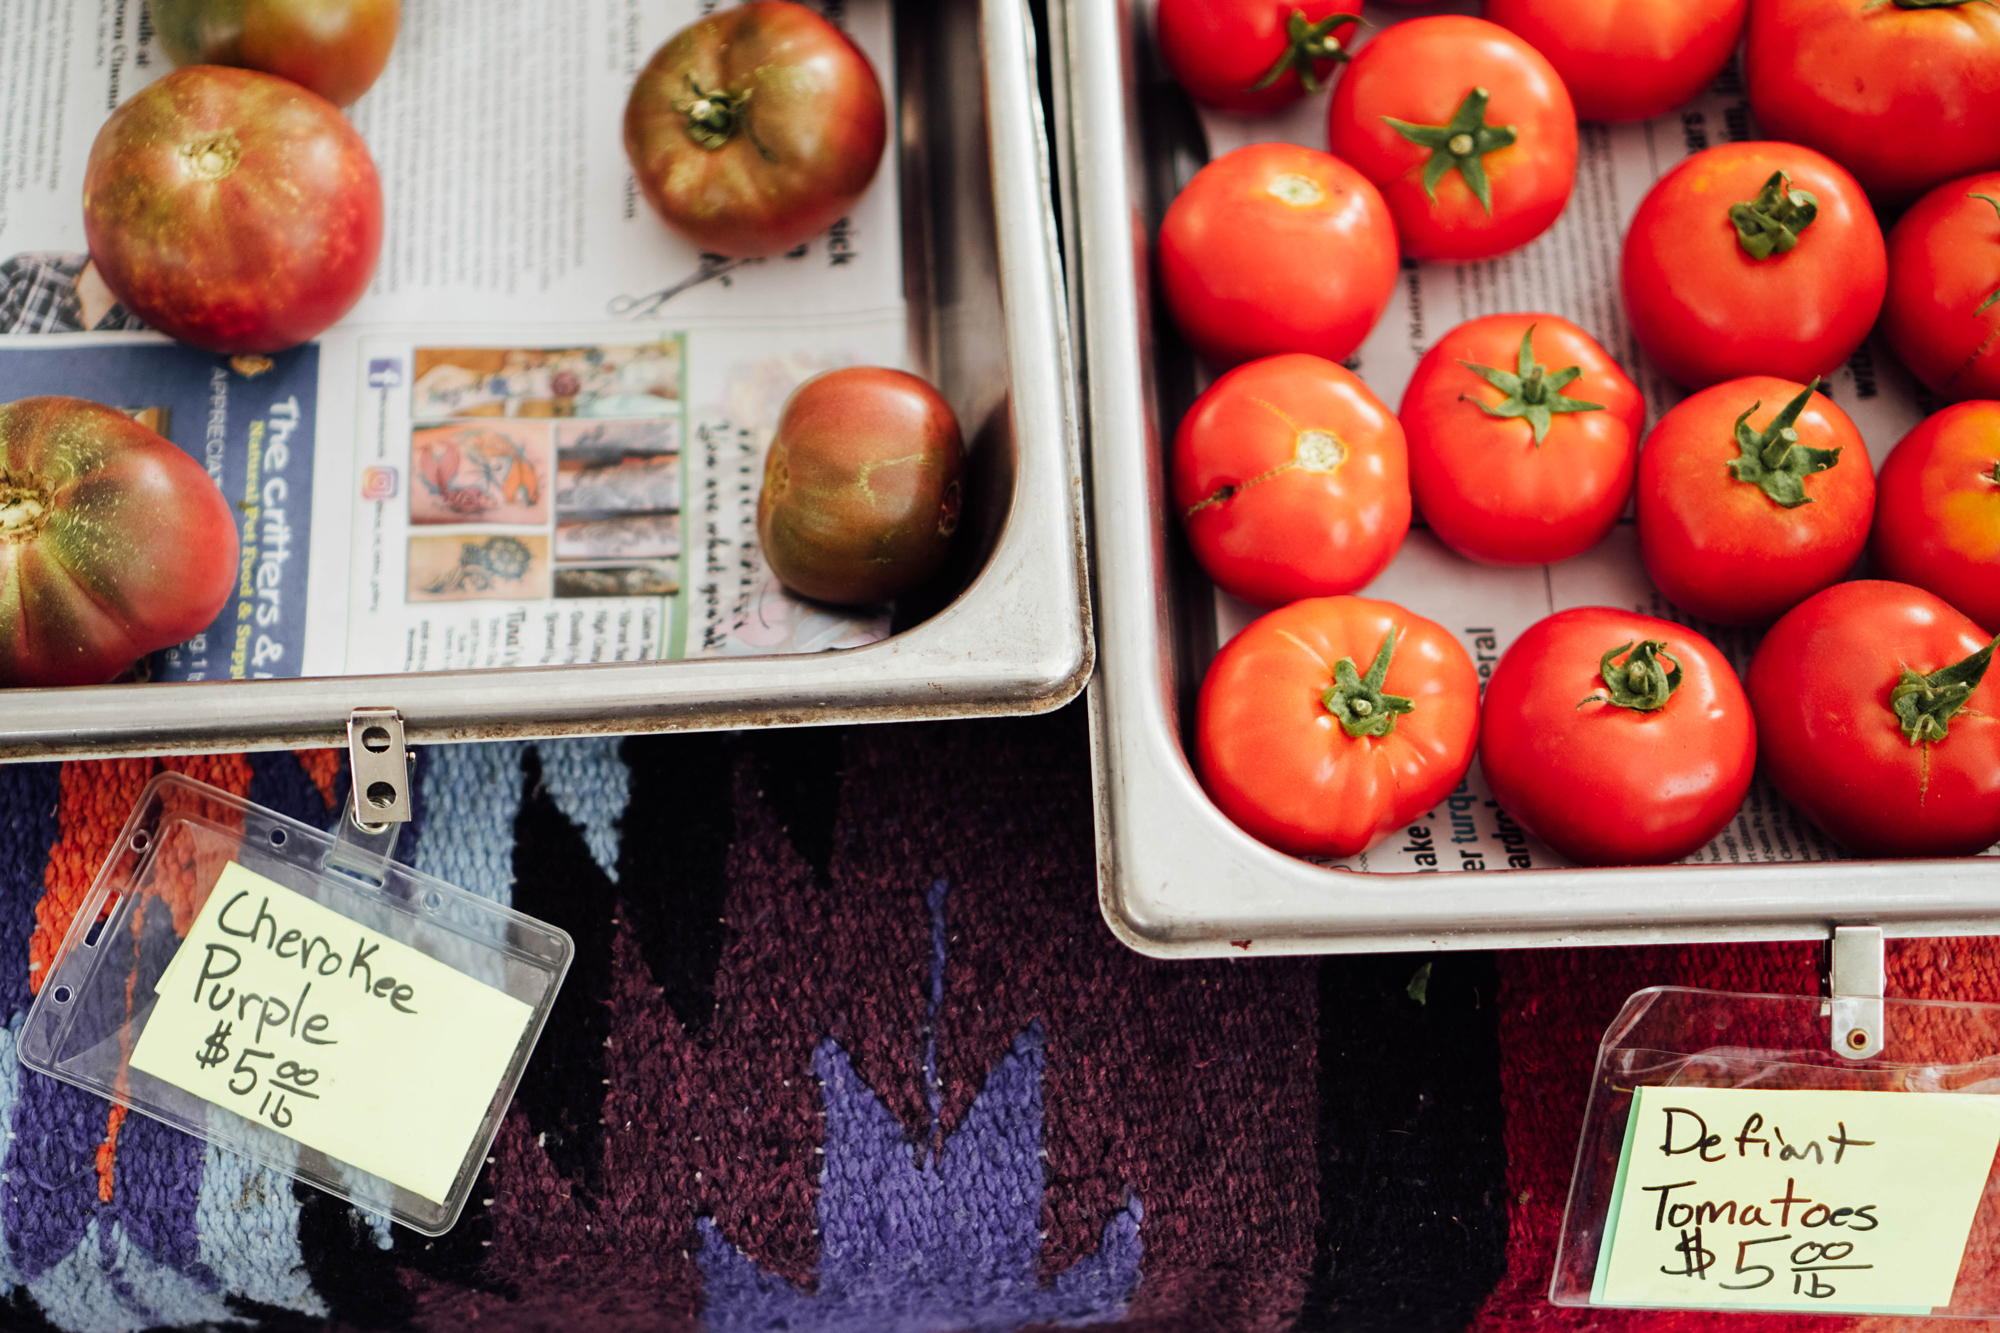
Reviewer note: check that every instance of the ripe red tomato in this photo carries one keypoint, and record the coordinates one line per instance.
(1277, 248)
(1628, 59)
(233, 210)
(1753, 495)
(1904, 93)
(113, 543)
(1865, 721)
(755, 128)
(1328, 724)
(1616, 738)
(861, 486)
(1524, 434)
(1466, 128)
(1292, 480)
(1937, 510)
(1729, 270)
(334, 47)
(1942, 314)
(1254, 55)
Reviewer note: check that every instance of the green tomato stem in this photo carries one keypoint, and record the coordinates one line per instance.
(1460, 144)
(1987, 304)
(1770, 224)
(1358, 701)
(1925, 705)
(1773, 460)
(1532, 393)
(1640, 683)
(1307, 43)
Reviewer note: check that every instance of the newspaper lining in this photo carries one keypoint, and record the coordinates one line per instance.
(1570, 271)
(539, 437)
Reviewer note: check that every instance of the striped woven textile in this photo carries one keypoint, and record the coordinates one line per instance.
(846, 1046)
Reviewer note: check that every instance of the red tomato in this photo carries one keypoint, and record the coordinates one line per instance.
(1292, 480)
(1517, 462)
(1330, 723)
(861, 486)
(755, 128)
(1628, 59)
(113, 543)
(1739, 523)
(336, 48)
(1942, 314)
(1254, 55)
(1937, 510)
(1904, 95)
(1277, 248)
(232, 210)
(1616, 738)
(1727, 271)
(1885, 761)
(1466, 177)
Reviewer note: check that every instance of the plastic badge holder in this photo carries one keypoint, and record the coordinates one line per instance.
(93, 1008)
(1679, 1038)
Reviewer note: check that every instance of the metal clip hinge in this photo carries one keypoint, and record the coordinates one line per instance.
(380, 765)
(1855, 979)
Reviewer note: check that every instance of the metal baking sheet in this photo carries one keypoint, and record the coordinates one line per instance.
(1175, 877)
(984, 280)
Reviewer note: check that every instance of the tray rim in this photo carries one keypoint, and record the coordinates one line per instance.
(1018, 639)
(1177, 879)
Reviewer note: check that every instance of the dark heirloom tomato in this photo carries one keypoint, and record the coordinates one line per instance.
(1254, 55)
(1942, 314)
(1753, 495)
(334, 47)
(1616, 738)
(1627, 59)
(1903, 93)
(1465, 128)
(1876, 716)
(1277, 248)
(1330, 723)
(756, 128)
(1291, 478)
(861, 487)
(1523, 438)
(1753, 259)
(113, 543)
(233, 210)
(1937, 510)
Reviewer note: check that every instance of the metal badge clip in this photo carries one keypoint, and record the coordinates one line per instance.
(1855, 980)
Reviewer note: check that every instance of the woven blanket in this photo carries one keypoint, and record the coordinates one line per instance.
(846, 1046)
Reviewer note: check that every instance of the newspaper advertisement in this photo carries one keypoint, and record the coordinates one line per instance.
(1571, 271)
(539, 437)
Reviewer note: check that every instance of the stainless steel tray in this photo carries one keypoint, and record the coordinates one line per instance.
(984, 279)
(1175, 877)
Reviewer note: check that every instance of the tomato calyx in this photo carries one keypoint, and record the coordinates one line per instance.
(1641, 683)
(1770, 224)
(1988, 302)
(1925, 705)
(1533, 394)
(1773, 459)
(1306, 43)
(713, 118)
(23, 510)
(1461, 143)
(1358, 700)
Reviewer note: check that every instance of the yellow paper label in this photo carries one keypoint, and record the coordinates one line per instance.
(291, 1014)
(1795, 1200)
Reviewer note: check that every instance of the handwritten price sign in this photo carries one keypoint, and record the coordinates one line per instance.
(289, 1013)
(1795, 1200)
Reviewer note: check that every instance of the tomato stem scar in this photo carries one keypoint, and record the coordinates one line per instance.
(23, 510)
